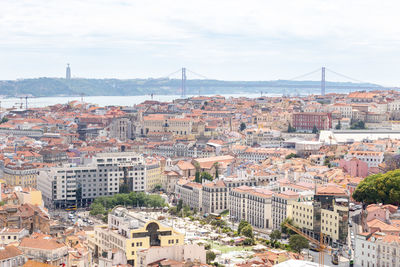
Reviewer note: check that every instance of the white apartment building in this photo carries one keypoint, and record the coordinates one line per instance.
(345, 110)
(377, 250)
(253, 205)
(190, 193)
(215, 194)
(58, 187)
(215, 197)
(393, 106)
(372, 158)
(80, 185)
(282, 207)
(365, 253)
(388, 250)
(10, 235)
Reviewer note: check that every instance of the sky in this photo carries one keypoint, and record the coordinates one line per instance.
(225, 40)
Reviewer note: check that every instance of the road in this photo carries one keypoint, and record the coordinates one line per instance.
(328, 259)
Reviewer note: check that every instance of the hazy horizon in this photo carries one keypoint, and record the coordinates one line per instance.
(224, 40)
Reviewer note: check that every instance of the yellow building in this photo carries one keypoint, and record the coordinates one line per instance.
(30, 196)
(303, 215)
(132, 231)
(153, 173)
(331, 221)
(21, 174)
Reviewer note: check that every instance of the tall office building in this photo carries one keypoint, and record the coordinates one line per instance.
(68, 73)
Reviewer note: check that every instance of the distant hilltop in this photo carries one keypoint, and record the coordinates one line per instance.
(40, 87)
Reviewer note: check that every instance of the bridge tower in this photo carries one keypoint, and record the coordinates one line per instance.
(183, 82)
(323, 81)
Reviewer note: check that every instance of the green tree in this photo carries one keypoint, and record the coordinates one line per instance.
(206, 176)
(315, 130)
(197, 178)
(97, 208)
(379, 188)
(275, 235)
(291, 129)
(132, 199)
(284, 228)
(216, 165)
(241, 225)
(158, 187)
(242, 126)
(180, 205)
(210, 256)
(291, 155)
(356, 125)
(297, 242)
(4, 120)
(338, 126)
(247, 231)
(248, 241)
(327, 162)
(124, 188)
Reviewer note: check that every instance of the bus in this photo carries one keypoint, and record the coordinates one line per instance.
(71, 208)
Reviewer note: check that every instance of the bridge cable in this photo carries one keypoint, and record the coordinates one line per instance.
(202, 76)
(304, 75)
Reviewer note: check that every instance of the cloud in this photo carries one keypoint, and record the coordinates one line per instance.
(282, 38)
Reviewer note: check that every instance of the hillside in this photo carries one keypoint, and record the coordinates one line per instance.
(96, 87)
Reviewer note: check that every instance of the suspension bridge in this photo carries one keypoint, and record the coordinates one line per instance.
(355, 84)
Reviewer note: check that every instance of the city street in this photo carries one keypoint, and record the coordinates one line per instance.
(328, 259)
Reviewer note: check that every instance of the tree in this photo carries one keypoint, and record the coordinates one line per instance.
(379, 188)
(179, 206)
(298, 242)
(291, 155)
(242, 126)
(4, 120)
(97, 208)
(284, 228)
(275, 235)
(357, 125)
(216, 169)
(247, 231)
(241, 225)
(197, 178)
(338, 126)
(291, 129)
(327, 162)
(315, 130)
(248, 241)
(210, 256)
(124, 188)
(206, 176)
(131, 199)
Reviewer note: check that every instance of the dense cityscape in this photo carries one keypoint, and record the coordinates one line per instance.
(193, 133)
(203, 181)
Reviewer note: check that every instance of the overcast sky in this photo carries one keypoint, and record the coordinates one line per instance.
(230, 40)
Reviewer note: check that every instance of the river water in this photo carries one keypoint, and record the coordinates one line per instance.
(100, 100)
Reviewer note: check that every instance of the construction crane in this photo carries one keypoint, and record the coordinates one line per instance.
(321, 247)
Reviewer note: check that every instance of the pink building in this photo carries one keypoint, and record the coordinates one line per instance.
(354, 167)
(377, 211)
